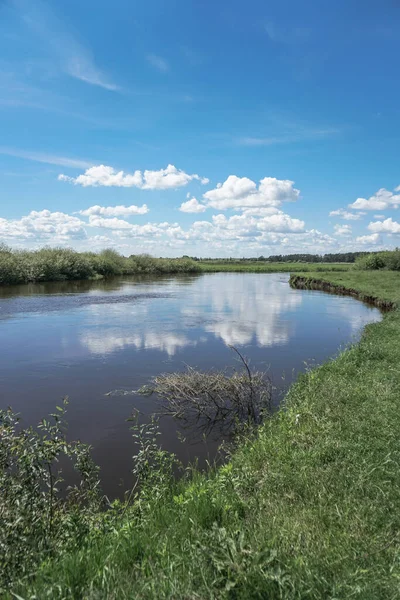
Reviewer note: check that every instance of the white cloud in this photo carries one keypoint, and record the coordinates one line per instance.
(262, 211)
(158, 62)
(241, 193)
(114, 223)
(244, 227)
(171, 177)
(386, 226)
(192, 206)
(342, 230)
(102, 240)
(382, 200)
(106, 176)
(280, 223)
(43, 225)
(115, 211)
(368, 239)
(379, 216)
(346, 215)
(49, 159)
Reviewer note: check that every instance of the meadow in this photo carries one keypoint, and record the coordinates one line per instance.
(215, 266)
(306, 507)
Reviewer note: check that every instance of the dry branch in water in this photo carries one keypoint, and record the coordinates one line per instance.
(213, 397)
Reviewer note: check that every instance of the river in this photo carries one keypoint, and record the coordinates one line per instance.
(86, 339)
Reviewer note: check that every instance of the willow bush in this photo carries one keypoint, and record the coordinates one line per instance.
(65, 264)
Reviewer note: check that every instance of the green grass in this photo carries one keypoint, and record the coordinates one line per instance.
(384, 285)
(269, 267)
(308, 510)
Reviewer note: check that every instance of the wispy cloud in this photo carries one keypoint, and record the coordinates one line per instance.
(300, 136)
(158, 62)
(73, 57)
(286, 35)
(49, 159)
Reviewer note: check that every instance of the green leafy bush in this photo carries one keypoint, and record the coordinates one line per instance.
(65, 264)
(38, 517)
(392, 260)
(389, 259)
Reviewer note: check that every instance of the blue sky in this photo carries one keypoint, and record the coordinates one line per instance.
(202, 128)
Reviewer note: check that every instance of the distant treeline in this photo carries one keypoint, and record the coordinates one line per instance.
(63, 264)
(340, 257)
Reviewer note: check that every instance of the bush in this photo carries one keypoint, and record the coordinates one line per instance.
(63, 264)
(392, 259)
(370, 262)
(35, 521)
(389, 259)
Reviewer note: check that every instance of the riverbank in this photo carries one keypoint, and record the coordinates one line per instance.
(380, 288)
(309, 509)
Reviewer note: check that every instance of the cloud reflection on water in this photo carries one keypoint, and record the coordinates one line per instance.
(239, 310)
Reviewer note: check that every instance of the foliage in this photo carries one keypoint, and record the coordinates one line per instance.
(153, 467)
(383, 260)
(35, 519)
(62, 264)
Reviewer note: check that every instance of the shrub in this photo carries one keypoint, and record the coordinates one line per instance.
(35, 521)
(370, 262)
(392, 259)
(62, 264)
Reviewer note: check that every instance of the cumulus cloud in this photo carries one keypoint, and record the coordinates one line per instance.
(43, 225)
(106, 176)
(262, 211)
(386, 226)
(242, 193)
(192, 206)
(368, 239)
(379, 216)
(171, 177)
(342, 230)
(115, 211)
(114, 223)
(346, 215)
(101, 239)
(382, 200)
(243, 227)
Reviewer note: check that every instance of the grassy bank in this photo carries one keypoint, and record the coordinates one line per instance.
(309, 509)
(63, 264)
(381, 288)
(211, 266)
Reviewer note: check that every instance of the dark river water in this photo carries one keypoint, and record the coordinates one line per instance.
(86, 339)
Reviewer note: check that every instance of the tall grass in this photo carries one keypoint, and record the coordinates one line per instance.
(64, 264)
